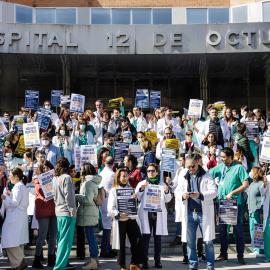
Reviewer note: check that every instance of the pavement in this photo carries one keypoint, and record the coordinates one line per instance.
(168, 262)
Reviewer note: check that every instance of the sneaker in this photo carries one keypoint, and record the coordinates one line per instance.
(221, 259)
(260, 256)
(70, 267)
(185, 260)
(266, 260)
(255, 253)
(202, 258)
(242, 261)
(100, 233)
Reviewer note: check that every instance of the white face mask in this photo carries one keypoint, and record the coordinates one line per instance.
(48, 107)
(62, 132)
(129, 141)
(45, 142)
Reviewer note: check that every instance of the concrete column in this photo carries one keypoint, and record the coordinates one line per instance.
(203, 70)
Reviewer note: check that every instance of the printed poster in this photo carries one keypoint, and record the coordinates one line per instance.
(136, 150)
(19, 121)
(155, 99)
(89, 154)
(154, 198)
(173, 144)
(257, 237)
(228, 212)
(2, 160)
(265, 151)
(77, 103)
(31, 135)
(120, 151)
(31, 99)
(77, 155)
(168, 160)
(195, 108)
(125, 203)
(45, 180)
(65, 100)
(142, 98)
(3, 129)
(43, 117)
(152, 137)
(56, 97)
(252, 129)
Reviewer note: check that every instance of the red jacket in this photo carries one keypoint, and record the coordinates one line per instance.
(134, 177)
(43, 208)
(211, 163)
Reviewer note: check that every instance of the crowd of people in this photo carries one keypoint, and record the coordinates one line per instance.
(216, 161)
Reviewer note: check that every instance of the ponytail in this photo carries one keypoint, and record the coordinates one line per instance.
(24, 179)
(20, 175)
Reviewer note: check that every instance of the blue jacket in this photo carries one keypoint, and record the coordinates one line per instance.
(149, 157)
(52, 154)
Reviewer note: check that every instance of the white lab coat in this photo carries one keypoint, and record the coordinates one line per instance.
(54, 118)
(162, 228)
(183, 146)
(161, 125)
(15, 227)
(67, 147)
(95, 123)
(141, 124)
(209, 190)
(75, 139)
(265, 192)
(111, 129)
(107, 175)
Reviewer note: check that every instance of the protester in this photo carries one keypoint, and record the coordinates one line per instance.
(47, 105)
(13, 139)
(11, 162)
(244, 110)
(134, 174)
(124, 126)
(107, 125)
(103, 153)
(99, 107)
(231, 122)
(138, 121)
(212, 159)
(108, 139)
(188, 144)
(140, 136)
(64, 118)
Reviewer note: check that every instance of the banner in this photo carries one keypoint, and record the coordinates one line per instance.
(77, 155)
(195, 108)
(136, 150)
(31, 99)
(228, 212)
(120, 151)
(252, 129)
(19, 121)
(3, 129)
(142, 98)
(257, 237)
(265, 151)
(155, 99)
(125, 203)
(2, 160)
(56, 97)
(115, 103)
(154, 198)
(89, 154)
(173, 144)
(31, 135)
(152, 137)
(65, 100)
(45, 181)
(168, 160)
(43, 117)
(77, 103)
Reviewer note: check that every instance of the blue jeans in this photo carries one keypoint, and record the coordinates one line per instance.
(240, 242)
(92, 242)
(195, 220)
(105, 242)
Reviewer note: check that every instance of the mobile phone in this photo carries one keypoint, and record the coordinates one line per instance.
(190, 193)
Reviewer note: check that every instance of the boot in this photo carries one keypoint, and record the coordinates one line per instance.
(98, 262)
(135, 267)
(123, 267)
(37, 264)
(51, 260)
(91, 265)
(177, 241)
(22, 265)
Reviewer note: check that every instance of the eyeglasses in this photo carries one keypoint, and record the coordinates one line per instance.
(151, 171)
(191, 166)
(189, 134)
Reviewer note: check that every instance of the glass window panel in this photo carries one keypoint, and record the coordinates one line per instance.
(45, 15)
(100, 15)
(196, 15)
(120, 16)
(218, 15)
(266, 11)
(162, 16)
(240, 14)
(66, 16)
(141, 16)
(24, 14)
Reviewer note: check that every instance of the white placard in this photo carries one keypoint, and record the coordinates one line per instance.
(195, 108)
(77, 103)
(89, 154)
(257, 237)
(265, 152)
(31, 135)
(154, 198)
(45, 180)
(77, 156)
(3, 129)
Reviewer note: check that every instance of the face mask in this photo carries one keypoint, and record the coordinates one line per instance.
(25, 161)
(139, 140)
(237, 117)
(129, 141)
(62, 132)
(45, 142)
(262, 126)
(109, 146)
(82, 127)
(9, 155)
(48, 107)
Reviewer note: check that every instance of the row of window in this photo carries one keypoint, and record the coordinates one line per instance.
(138, 15)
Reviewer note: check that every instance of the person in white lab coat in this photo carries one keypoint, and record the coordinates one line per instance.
(15, 227)
(138, 121)
(152, 222)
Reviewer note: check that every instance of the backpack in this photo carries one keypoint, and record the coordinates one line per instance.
(101, 196)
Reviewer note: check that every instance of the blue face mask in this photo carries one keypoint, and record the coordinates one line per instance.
(48, 107)
(62, 132)
(262, 126)
(139, 140)
(82, 127)
(129, 141)
(9, 155)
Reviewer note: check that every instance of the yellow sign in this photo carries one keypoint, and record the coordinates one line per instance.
(115, 103)
(20, 149)
(152, 137)
(173, 144)
(219, 107)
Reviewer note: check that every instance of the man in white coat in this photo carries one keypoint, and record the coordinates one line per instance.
(99, 106)
(196, 190)
(218, 127)
(107, 175)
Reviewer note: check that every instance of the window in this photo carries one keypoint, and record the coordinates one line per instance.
(45, 15)
(196, 15)
(24, 14)
(218, 15)
(141, 16)
(100, 16)
(162, 16)
(240, 14)
(266, 11)
(66, 16)
(120, 16)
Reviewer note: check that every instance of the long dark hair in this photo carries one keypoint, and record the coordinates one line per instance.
(20, 175)
(87, 169)
(62, 166)
(11, 135)
(99, 156)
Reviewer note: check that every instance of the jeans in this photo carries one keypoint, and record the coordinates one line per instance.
(195, 220)
(105, 243)
(45, 224)
(240, 242)
(92, 242)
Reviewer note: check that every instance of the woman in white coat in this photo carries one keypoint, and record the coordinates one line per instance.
(152, 222)
(124, 225)
(188, 144)
(15, 227)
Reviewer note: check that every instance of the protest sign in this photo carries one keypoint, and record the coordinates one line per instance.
(220, 107)
(20, 149)
(65, 100)
(257, 237)
(115, 103)
(228, 212)
(252, 129)
(31, 99)
(154, 198)
(235, 143)
(5, 121)
(3, 129)
(265, 151)
(173, 144)
(19, 121)
(89, 154)
(56, 97)
(31, 135)
(125, 203)
(77, 103)
(2, 160)
(168, 160)
(135, 150)
(120, 151)
(45, 181)
(43, 117)
(142, 98)
(77, 156)
(152, 137)
(185, 112)
(195, 108)
(155, 99)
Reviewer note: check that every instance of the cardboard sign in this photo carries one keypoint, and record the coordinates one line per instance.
(43, 117)
(168, 160)
(195, 108)
(45, 180)
(31, 135)
(31, 99)
(120, 151)
(257, 237)
(155, 99)
(125, 203)
(77, 103)
(56, 97)
(265, 151)
(154, 198)
(142, 98)
(152, 137)
(20, 149)
(89, 154)
(228, 211)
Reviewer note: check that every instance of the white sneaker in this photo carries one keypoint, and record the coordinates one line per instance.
(100, 233)
(260, 256)
(255, 253)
